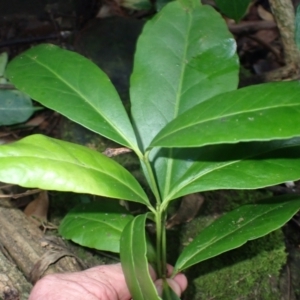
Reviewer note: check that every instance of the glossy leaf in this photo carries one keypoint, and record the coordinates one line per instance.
(15, 107)
(168, 293)
(256, 113)
(238, 166)
(234, 9)
(134, 261)
(180, 62)
(235, 228)
(50, 164)
(72, 85)
(97, 225)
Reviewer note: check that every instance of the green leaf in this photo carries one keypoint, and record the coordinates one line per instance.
(75, 87)
(134, 261)
(97, 225)
(257, 113)
(238, 166)
(234, 229)
(179, 62)
(50, 164)
(234, 9)
(168, 293)
(189, 4)
(15, 107)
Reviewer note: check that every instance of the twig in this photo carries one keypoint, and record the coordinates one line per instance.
(111, 152)
(16, 196)
(284, 15)
(7, 87)
(30, 40)
(251, 26)
(268, 46)
(5, 186)
(296, 222)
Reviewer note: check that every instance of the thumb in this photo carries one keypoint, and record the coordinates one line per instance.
(160, 283)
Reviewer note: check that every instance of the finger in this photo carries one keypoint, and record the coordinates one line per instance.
(182, 281)
(170, 269)
(152, 272)
(179, 278)
(109, 279)
(159, 286)
(173, 284)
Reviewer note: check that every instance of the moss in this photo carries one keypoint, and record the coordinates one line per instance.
(249, 272)
(227, 200)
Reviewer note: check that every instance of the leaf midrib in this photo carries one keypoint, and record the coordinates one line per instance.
(180, 187)
(170, 162)
(100, 221)
(76, 164)
(133, 252)
(190, 125)
(232, 232)
(83, 98)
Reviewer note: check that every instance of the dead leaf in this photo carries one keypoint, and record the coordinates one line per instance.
(264, 14)
(36, 121)
(188, 209)
(105, 12)
(19, 195)
(267, 35)
(37, 209)
(111, 152)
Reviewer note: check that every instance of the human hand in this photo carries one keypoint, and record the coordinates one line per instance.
(105, 282)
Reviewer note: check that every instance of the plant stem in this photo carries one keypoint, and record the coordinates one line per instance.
(159, 244)
(152, 178)
(164, 245)
(160, 218)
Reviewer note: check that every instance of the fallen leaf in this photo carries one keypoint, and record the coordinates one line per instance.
(264, 14)
(37, 209)
(187, 211)
(111, 152)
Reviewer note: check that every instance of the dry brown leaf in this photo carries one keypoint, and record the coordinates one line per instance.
(267, 35)
(36, 121)
(37, 209)
(111, 152)
(188, 209)
(264, 14)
